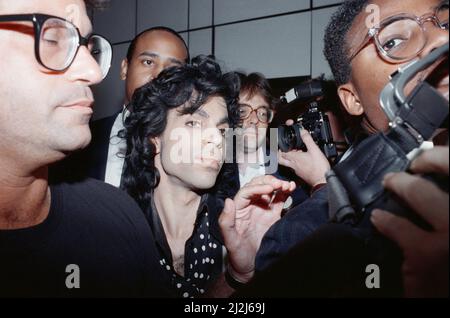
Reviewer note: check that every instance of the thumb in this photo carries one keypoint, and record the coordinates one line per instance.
(227, 218)
(308, 140)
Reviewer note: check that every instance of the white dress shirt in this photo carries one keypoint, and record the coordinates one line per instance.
(116, 152)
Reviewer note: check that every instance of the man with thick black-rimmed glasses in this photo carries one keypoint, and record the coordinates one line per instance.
(58, 239)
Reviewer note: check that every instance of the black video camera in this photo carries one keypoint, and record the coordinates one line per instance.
(313, 120)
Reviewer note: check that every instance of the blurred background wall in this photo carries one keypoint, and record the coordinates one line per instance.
(279, 38)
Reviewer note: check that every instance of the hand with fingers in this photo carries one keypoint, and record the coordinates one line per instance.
(246, 218)
(310, 165)
(426, 259)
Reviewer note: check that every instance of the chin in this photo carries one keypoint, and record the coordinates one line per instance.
(75, 142)
(250, 149)
(204, 180)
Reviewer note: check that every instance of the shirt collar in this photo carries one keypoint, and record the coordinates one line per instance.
(208, 205)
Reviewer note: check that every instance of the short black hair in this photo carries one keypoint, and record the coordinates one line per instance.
(189, 86)
(97, 4)
(256, 83)
(134, 42)
(336, 46)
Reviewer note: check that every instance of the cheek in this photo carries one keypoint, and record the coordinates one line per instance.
(369, 81)
(138, 78)
(246, 123)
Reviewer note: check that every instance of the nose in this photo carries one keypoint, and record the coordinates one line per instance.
(157, 70)
(253, 119)
(85, 68)
(436, 38)
(214, 136)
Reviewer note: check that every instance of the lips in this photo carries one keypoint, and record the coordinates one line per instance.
(81, 103)
(210, 163)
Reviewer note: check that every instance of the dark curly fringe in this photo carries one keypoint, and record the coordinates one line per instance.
(336, 47)
(190, 85)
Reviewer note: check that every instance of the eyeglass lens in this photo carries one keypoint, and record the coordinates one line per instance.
(59, 42)
(404, 37)
(262, 113)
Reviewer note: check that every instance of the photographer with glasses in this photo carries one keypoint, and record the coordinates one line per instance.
(363, 55)
(407, 30)
(255, 157)
(60, 239)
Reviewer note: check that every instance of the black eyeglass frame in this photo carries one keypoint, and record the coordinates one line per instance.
(38, 21)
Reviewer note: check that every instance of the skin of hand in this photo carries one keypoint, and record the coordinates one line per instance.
(426, 258)
(310, 165)
(246, 218)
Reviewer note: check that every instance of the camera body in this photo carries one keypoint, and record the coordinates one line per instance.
(313, 120)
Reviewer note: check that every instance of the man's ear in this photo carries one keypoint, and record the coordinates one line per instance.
(157, 143)
(124, 69)
(350, 99)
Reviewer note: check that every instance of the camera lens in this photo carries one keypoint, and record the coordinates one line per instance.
(289, 138)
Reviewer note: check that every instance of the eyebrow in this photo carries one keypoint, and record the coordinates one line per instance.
(149, 54)
(223, 121)
(202, 113)
(155, 55)
(439, 5)
(265, 106)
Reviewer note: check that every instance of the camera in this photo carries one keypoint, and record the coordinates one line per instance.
(313, 120)
(356, 182)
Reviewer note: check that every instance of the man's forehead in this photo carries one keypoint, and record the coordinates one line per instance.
(159, 40)
(393, 7)
(388, 8)
(71, 10)
(214, 107)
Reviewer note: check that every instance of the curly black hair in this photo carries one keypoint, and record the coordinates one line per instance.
(336, 46)
(189, 86)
